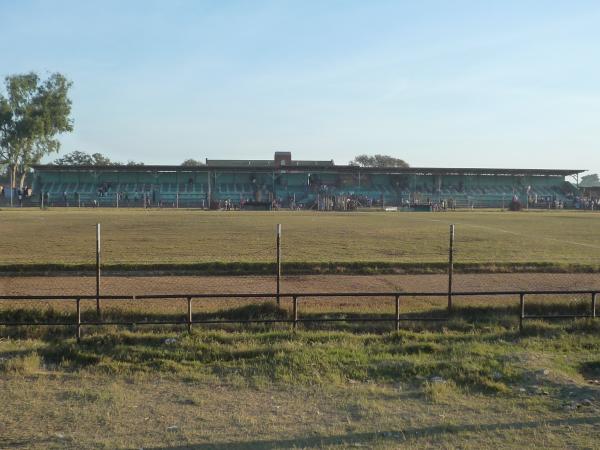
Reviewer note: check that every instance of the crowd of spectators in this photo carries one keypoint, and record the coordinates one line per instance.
(19, 194)
(591, 203)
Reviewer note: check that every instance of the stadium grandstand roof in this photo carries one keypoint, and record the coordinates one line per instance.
(213, 166)
(282, 161)
(263, 163)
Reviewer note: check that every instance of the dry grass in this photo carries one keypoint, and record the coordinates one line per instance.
(43, 412)
(222, 390)
(471, 382)
(67, 236)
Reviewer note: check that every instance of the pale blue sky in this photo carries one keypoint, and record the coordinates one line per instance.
(438, 83)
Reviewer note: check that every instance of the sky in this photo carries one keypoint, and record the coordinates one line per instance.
(438, 83)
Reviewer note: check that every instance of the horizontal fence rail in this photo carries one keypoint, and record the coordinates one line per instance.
(189, 320)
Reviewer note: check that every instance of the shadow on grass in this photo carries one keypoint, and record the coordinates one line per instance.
(461, 319)
(400, 435)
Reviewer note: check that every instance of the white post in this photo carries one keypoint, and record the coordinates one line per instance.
(98, 269)
(450, 266)
(278, 262)
(12, 189)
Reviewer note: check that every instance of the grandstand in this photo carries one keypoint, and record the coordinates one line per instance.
(283, 182)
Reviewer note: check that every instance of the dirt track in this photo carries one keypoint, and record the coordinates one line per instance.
(313, 283)
(197, 285)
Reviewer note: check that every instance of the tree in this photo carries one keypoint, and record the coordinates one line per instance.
(378, 161)
(33, 114)
(590, 180)
(192, 163)
(78, 158)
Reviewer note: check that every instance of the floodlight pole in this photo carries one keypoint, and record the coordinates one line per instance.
(450, 266)
(98, 269)
(278, 263)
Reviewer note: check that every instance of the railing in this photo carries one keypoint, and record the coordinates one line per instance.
(296, 319)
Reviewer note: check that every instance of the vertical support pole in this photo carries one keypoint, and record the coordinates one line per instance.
(594, 304)
(209, 192)
(450, 266)
(42, 203)
(78, 320)
(117, 200)
(177, 200)
(278, 263)
(98, 269)
(397, 312)
(189, 314)
(522, 312)
(295, 310)
(12, 187)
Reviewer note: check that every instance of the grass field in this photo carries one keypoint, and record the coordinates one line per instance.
(470, 382)
(464, 384)
(171, 237)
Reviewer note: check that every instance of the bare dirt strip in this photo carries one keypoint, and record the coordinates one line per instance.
(290, 284)
(307, 283)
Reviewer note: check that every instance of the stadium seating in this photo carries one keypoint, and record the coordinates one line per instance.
(191, 188)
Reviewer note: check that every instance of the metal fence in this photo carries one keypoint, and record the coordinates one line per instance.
(188, 318)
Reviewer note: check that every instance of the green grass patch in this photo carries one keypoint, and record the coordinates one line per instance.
(477, 351)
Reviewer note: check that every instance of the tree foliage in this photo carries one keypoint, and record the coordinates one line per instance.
(78, 158)
(33, 113)
(590, 180)
(378, 161)
(192, 163)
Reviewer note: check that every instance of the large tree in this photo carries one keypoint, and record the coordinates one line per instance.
(33, 113)
(378, 161)
(590, 180)
(192, 163)
(78, 158)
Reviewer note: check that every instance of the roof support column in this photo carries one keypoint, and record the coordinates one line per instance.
(209, 193)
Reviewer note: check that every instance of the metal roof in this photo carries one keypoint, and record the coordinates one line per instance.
(310, 167)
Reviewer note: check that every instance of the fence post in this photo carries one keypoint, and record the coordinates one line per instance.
(189, 314)
(278, 263)
(295, 310)
(594, 304)
(78, 320)
(450, 266)
(98, 268)
(522, 312)
(397, 312)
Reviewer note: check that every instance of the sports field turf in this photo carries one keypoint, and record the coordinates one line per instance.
(472, 381)
(456, 385)
(67, 236)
